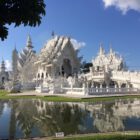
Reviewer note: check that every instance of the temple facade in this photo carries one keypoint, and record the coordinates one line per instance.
(104, 65)
(57, 58)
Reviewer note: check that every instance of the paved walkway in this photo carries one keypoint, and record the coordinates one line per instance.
(33, 93)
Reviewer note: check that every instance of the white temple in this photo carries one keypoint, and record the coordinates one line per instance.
(56, 69)
(57, 58)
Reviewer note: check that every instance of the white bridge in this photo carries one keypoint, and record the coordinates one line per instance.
(132, 78)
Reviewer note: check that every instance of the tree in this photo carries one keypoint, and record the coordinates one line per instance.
(26, 12)
(85, 67)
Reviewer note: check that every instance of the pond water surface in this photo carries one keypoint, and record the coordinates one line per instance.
(33, 118)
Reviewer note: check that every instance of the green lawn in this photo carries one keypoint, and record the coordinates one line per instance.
(97, 99)
(4, 95)
(105, 137)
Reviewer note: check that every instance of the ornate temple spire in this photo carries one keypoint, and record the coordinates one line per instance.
(3, 66)
(111, 50)
(15, 63)
(101, 51)
(29, 42)
(15, 50)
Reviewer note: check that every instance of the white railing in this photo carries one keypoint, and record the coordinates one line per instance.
(112, 90)
(98, 73)
(87, 91)
(41, 89)
(73, 90)
(91, 91)
(38, 89)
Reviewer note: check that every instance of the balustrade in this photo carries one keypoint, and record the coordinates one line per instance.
(95, 90)
(111, 90)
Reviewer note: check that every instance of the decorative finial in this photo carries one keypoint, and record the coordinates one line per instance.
(101, 44)
(29, 42)
(111, 50)
(53, 34)
(15, 45)
(101, 51)
(69, 38)
(15, 49)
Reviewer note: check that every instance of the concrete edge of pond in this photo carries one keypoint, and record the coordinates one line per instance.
(137, 133)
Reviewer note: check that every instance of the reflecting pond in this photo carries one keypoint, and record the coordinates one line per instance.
(31, 118)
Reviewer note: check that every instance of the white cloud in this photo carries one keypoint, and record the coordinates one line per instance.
(8, 65)
(123, 5)
(77, 45)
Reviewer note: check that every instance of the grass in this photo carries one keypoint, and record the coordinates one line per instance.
(97, 99)
(4, 95)
(105, 137)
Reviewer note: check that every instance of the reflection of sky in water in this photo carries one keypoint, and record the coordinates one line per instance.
(132, 123)
(4, 121)
(32, 118)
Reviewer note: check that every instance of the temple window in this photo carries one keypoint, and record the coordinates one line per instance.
(66, 67)
(42, 76)
(98, 68)
(3, 80)
(38, 75)
(46, 74)
(62, 70)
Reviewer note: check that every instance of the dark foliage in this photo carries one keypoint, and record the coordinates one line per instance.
(85, 67)
(26, 12)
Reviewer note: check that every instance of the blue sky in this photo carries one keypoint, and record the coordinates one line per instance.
(115, 22)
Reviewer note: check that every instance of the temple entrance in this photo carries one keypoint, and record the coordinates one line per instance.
(112, 84)
(66, 67)
(3, 80)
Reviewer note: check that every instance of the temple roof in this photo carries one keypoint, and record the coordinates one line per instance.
(26, 53)
(52, 49)
(110, 59)
(29, 43)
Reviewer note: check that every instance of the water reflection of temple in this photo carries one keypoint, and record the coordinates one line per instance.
(47, 118)
(110, 117)
(106, 117)
(129, 108)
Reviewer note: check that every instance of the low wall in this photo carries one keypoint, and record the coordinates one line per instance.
(78, 91)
